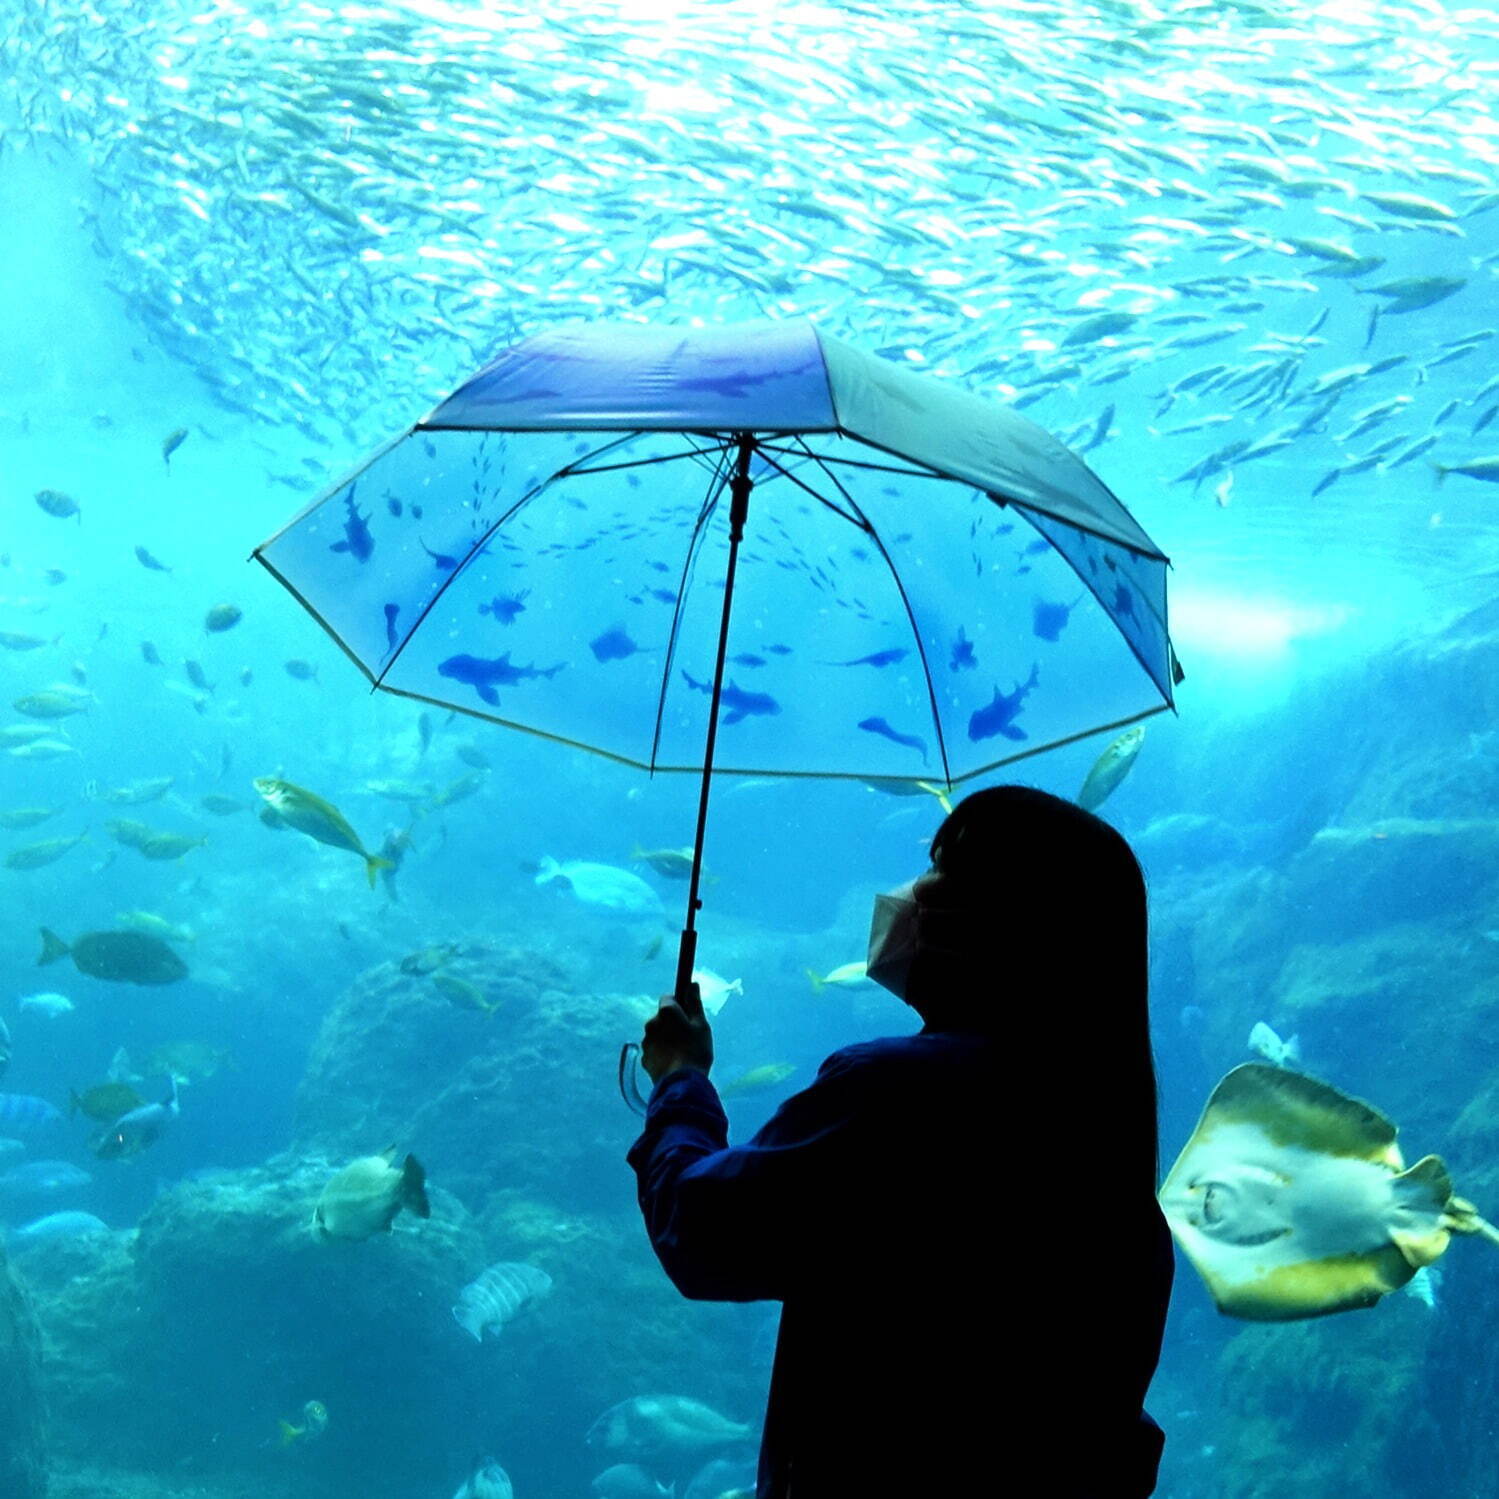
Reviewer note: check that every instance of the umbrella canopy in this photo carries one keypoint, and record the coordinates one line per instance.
(929, 585)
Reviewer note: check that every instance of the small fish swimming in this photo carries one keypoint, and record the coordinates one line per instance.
(38, 855)
(117, 957)
(138, 1130)
(672, 863)
(365, 1197)
(105, 1102)
(484, 675)
(488, 1481)
(464, 993)
(220, 618)
(56, 1228)
(392, 612)
(316, 819)
(647, 1425)
(357, 540)
(844, 975)
(1110, 768)
(314, 1419)
(1486, 469)
(54, 702)
(18, 818)
(170, 443)
(459, 790)
(41, 749)
(714, 990)
(57, 504)
(602, 885)
(963, 658)
(300, 671)
(138, 793)
(46, 1003)
(630, 1481)
(498, 1295)
(1278, 1053)
(1000, 715)
(757, 1079)
(20, 1112)
(149, 654)
(41, 1179)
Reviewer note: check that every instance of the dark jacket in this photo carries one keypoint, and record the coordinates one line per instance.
(962, 1301)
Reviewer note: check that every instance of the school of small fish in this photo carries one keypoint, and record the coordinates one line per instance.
(1038, 203)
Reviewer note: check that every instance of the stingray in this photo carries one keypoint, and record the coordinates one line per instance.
(1292, 1200)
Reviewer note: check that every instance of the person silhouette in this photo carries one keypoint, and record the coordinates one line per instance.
(960, 1224)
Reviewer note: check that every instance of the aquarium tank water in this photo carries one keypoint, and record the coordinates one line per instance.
(312, 1114)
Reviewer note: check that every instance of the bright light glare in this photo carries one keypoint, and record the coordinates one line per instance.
(1250, 629)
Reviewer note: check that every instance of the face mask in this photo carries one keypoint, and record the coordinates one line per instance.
(894, 937)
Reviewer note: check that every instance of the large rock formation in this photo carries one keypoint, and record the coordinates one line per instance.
(23, 1473)
(519, 1098)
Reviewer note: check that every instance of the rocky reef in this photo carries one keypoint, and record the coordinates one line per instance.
(23, 1470)
(223, 1314)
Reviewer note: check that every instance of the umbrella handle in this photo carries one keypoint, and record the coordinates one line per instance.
(629, 1078)
(684, 991)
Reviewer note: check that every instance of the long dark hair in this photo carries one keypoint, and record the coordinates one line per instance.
(1070, 945)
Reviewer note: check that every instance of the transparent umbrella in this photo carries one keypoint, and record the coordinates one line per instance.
(750, 546)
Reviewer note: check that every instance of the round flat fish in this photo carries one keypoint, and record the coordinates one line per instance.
(41, 1179)
(628, 1481)
(647, 1424)
(1293, 1200)
(602, 885)
(55, 1228)
(488, 1481)
(117, 957)
(488, 1302)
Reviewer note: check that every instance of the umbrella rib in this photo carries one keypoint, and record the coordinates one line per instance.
(710, 503)
(1155, 614)
(869, 530)
(821, 498)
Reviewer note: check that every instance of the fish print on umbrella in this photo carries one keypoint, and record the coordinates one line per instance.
(485, 675)
(358, 542)
(1000, 715)
(1048, 620)
(505, 609)
(737, 704)
(613, 645)
(883, 729)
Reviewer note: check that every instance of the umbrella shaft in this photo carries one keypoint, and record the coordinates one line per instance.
(740, 485)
